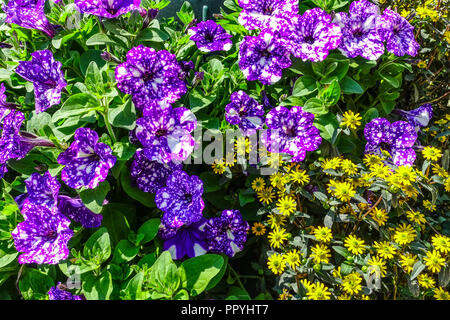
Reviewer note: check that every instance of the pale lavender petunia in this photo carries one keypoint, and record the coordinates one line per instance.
(396, 138)
(107, 8)
(359, 32)
(166, 136)
(43, 236)
(266, 14)
(398, 34)
(264, 57)
(245, 112)
(419, 117)
(47, 77)
(291, 131)
(312, 35)
(151, 77)
(210, 36)
(86, 161)
(29, 14)
(181, 200)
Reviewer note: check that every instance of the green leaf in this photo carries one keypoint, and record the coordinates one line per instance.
(34, 285)
(133, 290)
(145, 198)
(123, 116)
(327, 124)
(331, 94)
(196, 273)
(164, 278)
(198, 100)
(99, 39)
(91, 55)
(370, 114)
(93, 79)
(116, 218)
(76, 106)
(246, 196)
(93, 198)
(237, 293)
(315, 106)
(186, 13)
(417, 269)
(149, 229)
(350, 86)
(304, 85)
(210, 181)
(98, 246)
(342, 251)
(125, 251)
(153, 35)
(181, 295)
(98, 288)
(7, 259)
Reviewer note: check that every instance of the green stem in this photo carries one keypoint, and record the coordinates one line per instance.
(237, 277)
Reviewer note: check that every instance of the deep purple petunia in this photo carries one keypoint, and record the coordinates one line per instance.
(166, 136)
(210, 36)
(419, 117)
(151, 77)
(187, 240)
(227, 233)
(150, 176)
(43, 236)
(266, 14)
(3, 104)
(75, 209)
(181, 200)
(396, 138)
(291, 131)
(312, 35)
(107, 8)
(245, 112)
(264, 57)
(29, 14)
(47, 77)
(42, 190)
(15, 144)
(86, 161)
(398, 34)
(60, 293)
(359, 31)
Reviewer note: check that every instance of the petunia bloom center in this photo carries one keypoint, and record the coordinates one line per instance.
(148, 76)
(309, 39)
(187, 197)
(161, 132)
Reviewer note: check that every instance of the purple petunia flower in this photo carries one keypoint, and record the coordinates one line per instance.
(75, 209)
(266, 14)
(42, 190)
(398, 34)
(43, 236)
(419, 117)
(187, 240)
(151, 77)
(47, 77)
(263, 57)
(210, 36)
(60, 293)
(107, 8)
(245, 112)
(291, 131)
(29, 14)
(181, 200)
(150, 176)
(86, 161)
(359, 31)
(396, 138)
(166, 136)
(227, 233)
(312, 35)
